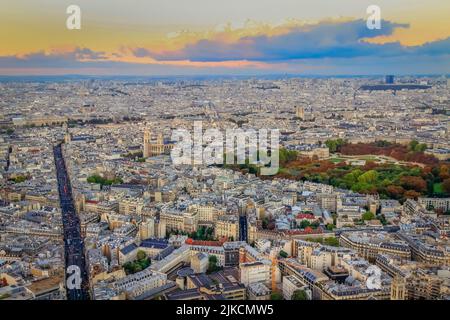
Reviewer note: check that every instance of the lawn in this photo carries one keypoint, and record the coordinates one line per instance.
(336, 160)
(369, 158)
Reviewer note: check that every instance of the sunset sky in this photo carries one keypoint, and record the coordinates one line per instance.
(186, 37)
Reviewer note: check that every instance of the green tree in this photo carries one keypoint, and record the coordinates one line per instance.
(382, 219)
(283, 254)
(129, 267)
(141, 255)
(19, 179)
(368, 216)
(331, 144)
(331, 241)
(102, 181)
(351, 178)
(304, 224)
(286, 156)
(421, 147)
(315, 224)
(368, 177)
(413, 145)
(334, 145)
(212, 264)
(265, 222)
(137, 267)
(299, 295)
(276, 296)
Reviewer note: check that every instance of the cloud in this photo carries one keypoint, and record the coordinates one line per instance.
(328, 47)
(141, 52)
(75, 57)
(439, 47)
(87, 61)
(328, 39)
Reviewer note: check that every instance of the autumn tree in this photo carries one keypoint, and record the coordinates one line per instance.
(444, 172)
(395, 191)
(411, 194)
(446, 186)
(414, 183)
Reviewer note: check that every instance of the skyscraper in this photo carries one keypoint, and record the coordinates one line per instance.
(389, 79)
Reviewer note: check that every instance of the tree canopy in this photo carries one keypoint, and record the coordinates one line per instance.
(368, 216)
(299, 295)
(276, 296)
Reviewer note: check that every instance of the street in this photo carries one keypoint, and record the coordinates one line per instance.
(73, 242)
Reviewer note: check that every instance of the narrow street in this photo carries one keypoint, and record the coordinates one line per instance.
(73, 242)
(243, 228)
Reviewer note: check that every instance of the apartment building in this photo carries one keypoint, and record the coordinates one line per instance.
(253, 272)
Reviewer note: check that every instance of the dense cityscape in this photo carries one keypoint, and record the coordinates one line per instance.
(92, 206)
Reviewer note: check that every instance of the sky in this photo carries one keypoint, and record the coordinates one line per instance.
(242, 37)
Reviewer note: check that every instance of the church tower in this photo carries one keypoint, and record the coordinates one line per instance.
(147, 142)
(300, 112)
(398, 289)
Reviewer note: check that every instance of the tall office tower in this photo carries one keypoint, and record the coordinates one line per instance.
(390, 79)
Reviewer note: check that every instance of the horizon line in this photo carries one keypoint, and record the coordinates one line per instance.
(226, 75)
